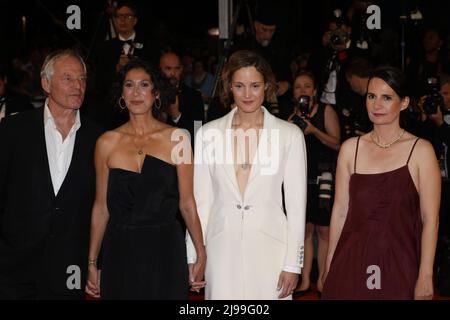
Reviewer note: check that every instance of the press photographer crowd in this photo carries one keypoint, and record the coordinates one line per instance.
(359, 207)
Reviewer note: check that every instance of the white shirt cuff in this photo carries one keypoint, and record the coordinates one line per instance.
(292, 269)
(191, 253)
(191, 260)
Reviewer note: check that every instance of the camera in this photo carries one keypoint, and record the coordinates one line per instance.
(325, 181)
(434, 98)
(338, 37)
(299, 122)
(303, 107)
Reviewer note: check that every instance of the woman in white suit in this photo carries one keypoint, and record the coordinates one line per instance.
(243, 160)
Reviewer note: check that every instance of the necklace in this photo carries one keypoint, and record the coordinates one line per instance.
(136, 137)
(140, 150)
(245, 166)
(387, 145)
(235, 125)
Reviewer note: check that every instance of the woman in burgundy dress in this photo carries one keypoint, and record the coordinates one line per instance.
(385, 217)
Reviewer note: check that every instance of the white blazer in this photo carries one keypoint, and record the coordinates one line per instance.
(250, 241)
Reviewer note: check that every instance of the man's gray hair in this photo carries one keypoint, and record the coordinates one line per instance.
(48, 66)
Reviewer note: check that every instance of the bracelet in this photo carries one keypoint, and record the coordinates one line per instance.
(92, 261)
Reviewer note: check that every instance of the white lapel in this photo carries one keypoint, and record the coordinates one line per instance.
(264, 147)
(228, 152)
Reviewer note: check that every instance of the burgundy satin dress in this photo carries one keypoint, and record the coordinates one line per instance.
(378, 252)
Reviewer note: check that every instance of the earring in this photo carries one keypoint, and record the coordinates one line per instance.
(120, 103)
(158, 104)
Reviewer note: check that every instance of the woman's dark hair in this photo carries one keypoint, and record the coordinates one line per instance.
(395, 79)
(167, 92)
(306, 73)
(242, 59)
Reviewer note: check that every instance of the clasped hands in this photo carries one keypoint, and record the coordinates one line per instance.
(196, 273)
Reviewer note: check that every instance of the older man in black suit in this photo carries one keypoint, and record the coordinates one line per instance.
(47, 187)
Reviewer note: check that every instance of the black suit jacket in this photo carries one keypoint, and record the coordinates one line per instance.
(191, 108)
(16, 103)
(42, 235)
(105, 113)
(108, 55)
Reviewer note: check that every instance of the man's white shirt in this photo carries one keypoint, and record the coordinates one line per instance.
(59, 152)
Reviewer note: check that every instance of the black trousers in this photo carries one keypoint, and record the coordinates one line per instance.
(25, 289)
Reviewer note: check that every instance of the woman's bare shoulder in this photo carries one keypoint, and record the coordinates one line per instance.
(423, 149)
(349, 145)
(109, 139)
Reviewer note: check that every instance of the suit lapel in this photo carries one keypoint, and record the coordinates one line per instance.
(77, 154)
(264, 148)
(42, 149)
(228, 152)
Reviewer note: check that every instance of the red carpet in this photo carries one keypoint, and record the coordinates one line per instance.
(312, 295)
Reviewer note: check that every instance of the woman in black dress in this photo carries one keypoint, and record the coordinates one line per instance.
(144, 178)
(322, 137)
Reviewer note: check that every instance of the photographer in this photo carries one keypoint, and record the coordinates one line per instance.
(434, 122)
(330, 63)
(435, 126)
(270, 44)
(442, 122)
(320, 126)
(429, 61)
(354, 118)
(188, 107)
(113, 54)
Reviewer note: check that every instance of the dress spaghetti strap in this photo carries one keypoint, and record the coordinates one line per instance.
(356, 154)
(412, 149)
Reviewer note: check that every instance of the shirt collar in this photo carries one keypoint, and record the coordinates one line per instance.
(48, 117)
(132, 37)
(349, 43)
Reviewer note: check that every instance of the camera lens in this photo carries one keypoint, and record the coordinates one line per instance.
(303, 105)
(434, 98)
(335, 39)
(325, 190)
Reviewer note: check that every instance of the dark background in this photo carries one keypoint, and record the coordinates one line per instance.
(183, 24)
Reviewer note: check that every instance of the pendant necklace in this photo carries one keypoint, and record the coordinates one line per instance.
(246, 165)
(140, 151)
